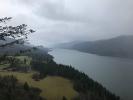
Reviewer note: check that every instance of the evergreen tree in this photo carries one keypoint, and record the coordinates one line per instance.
(64, 98)
(26, 86)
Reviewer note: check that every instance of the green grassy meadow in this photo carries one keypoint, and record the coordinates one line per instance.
(28, 59)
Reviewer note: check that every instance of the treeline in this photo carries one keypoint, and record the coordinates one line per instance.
(82, 83)
(11, 89)
(37, 55)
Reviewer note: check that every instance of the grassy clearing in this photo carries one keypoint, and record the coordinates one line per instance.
(24, 61)
(53, 87)
(22, 58)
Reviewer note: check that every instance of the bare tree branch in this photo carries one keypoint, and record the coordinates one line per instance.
(5, 19)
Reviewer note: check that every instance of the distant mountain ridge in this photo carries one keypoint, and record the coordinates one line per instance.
(121, 46)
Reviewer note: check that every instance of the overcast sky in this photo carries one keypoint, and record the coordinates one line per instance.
(58, 21)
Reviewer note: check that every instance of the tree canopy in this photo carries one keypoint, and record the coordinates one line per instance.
(18, 33)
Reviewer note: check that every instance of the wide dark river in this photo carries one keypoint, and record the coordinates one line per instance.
(116, 74)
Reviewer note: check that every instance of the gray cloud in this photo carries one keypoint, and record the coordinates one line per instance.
(67, 20)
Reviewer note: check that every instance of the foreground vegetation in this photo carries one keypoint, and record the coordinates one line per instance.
(52, 87)
(78, 85)
(11, 89)
(58, 82)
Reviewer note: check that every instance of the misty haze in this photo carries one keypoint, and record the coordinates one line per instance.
(66, 50)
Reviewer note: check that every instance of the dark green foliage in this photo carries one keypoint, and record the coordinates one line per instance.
(64, 98)
(26, 86)
(82, 83)
(11, 89)
(3, 59)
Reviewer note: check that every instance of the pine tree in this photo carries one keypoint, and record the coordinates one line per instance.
(26, 86)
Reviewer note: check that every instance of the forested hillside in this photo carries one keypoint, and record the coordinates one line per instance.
(121, 46)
